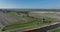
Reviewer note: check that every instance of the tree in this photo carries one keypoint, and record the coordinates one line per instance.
(27, 13)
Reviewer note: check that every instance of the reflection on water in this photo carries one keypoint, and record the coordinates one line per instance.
(45, 29)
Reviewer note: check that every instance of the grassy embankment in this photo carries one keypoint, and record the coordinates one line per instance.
(55, 30)
(32, 22)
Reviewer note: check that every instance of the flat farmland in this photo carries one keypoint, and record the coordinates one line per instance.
(23, 21)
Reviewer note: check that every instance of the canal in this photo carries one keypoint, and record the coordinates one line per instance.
(45, 29)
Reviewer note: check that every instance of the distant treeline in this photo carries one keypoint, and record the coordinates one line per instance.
(14, 10)
(17, 10)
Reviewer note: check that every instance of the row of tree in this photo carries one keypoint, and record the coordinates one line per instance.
(29, 9)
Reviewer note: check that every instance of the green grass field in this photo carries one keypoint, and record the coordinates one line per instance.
(31, 22)
(21, 25)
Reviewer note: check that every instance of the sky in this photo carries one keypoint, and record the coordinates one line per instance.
(30, 4)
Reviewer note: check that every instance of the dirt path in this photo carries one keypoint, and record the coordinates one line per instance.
(5, 19)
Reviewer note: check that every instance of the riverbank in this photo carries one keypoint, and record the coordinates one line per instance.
(33, 28)
(29, 29)
(55, 30)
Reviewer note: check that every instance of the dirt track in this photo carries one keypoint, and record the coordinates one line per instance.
(5, 19)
